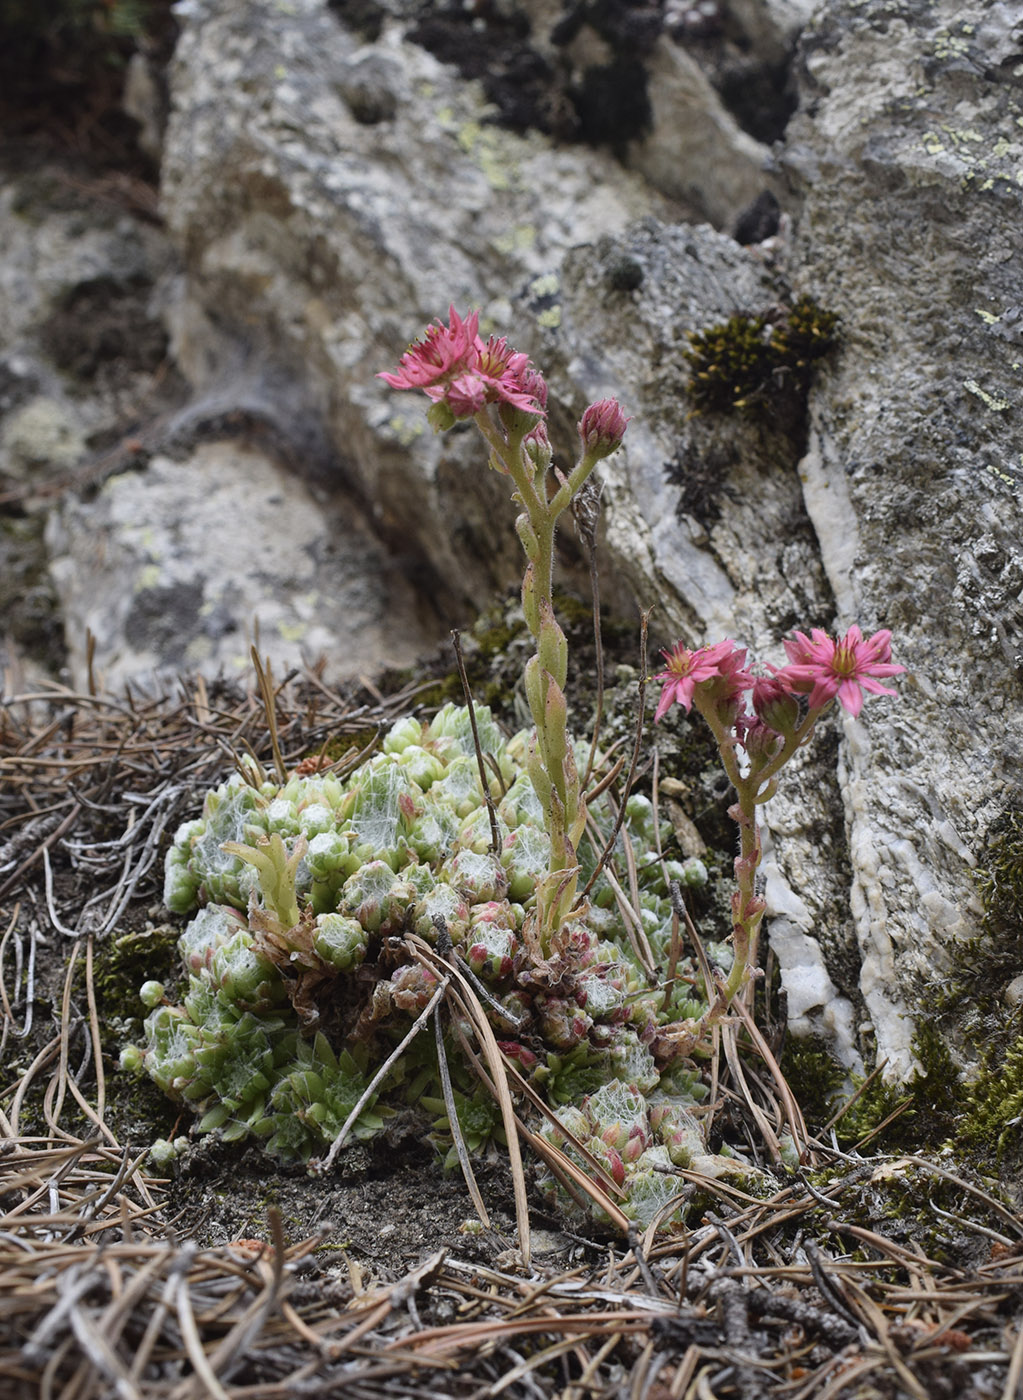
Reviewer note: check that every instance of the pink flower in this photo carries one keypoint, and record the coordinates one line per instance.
(535, 385)
(465, 395)
(451, 365)
(602, 427)
(443, 353)
(825, 669)
(503, 371)
(717, 668)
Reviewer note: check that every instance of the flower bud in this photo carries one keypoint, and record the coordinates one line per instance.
(760, 740)
(602, 428)
(538, 447)
(440, 417)
(775, 704)
(151, 994)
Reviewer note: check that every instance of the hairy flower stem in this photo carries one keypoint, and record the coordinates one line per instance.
(751, 789)
(552, 766)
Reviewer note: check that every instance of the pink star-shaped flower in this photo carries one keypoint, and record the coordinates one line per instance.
(504, 372)
(452, 365)
(442, 354)
(827, 670)
(717, 667)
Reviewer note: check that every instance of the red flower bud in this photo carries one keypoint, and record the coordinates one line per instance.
(602, 427)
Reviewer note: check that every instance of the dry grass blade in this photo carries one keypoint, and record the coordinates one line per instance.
(438, 1341)
(792, 1113)
(495, 837)
(325, 1163)
(499, 1081)
(1014, 1380)
(730, 1047)
(456, 1128)
(264, 677)
(237, 1342)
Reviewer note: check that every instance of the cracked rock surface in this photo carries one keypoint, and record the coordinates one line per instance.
(328, 190)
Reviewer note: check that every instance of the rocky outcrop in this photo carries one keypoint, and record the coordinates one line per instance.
(906, 159)
(331, 196)
(330, 189)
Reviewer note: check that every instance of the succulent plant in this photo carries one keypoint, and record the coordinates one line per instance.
(301, 978)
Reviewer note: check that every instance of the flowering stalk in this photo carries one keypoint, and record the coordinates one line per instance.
(506, 398)
(714, 682)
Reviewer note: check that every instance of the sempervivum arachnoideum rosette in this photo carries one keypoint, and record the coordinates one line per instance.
(300, 979)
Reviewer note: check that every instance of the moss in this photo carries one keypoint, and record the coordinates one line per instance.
(979, 1116)
(994, 1108)
(119, 970)
(346, 745)
(749, 362)
(931, 1103)
(814, 1076)
(1000, 877)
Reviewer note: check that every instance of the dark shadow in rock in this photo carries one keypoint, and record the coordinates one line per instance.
(515, 77)
(104, 325)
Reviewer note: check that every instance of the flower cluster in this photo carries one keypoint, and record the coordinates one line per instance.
(714, 680)
(819, 667)
(452, 366)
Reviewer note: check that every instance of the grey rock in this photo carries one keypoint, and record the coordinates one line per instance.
(81, 351)
(45, 432)
(696, 153)
(143, 102)
(323, 241)
(184, 566)
(906, 159)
